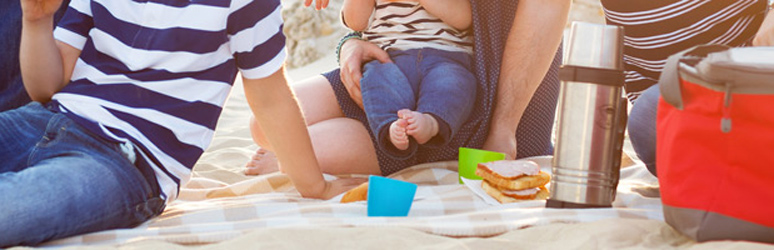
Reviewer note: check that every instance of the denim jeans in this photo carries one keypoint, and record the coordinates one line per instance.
(430, 81)
(642, 127)
(58, 180)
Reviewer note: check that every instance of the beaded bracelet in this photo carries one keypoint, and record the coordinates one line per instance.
(351, 35)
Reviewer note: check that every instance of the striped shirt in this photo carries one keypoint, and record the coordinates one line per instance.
(656, 29)
(156, 73)
(407, 25)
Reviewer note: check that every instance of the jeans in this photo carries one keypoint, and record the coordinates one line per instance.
(430, 81)
(58, 180)
(642, 127)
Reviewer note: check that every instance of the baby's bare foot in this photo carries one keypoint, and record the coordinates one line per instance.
(398, 135)
(263, 162)
(422, 127)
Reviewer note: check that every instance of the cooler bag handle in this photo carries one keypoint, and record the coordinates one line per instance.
(669, 81)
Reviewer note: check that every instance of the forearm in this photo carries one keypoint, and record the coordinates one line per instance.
(765, 35)
(531, 45)
(456, 13)
(356, 13)
(40, 59)
(276, 110)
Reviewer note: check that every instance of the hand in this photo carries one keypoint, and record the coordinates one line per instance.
(338, 186)
(355, 53)
(765, 35)
(319, 4)
(502, 141)
(36, 10)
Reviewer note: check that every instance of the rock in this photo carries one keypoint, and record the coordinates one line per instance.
(311, 34)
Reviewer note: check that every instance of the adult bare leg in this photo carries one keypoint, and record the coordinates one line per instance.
(342, 145)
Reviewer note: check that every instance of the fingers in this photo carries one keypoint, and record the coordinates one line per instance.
(374, 52)
(317, 5)
(350, 76)
(307, 3)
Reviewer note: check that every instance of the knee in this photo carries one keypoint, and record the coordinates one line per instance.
(257, 134)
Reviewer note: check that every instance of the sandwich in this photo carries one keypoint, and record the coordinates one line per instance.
(511, 181)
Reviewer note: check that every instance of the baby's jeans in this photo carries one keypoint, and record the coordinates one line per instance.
(430, 81)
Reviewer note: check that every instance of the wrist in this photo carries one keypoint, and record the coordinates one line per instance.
(38, 22)
(352, 35)
(316, 190)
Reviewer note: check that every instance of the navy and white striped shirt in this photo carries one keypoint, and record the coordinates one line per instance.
(656, 29)
(156, 73)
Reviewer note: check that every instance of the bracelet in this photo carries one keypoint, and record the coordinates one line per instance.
(351, 35)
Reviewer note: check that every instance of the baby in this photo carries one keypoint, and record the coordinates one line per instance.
(427, 93)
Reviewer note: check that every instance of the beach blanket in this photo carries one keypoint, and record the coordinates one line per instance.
(222, 208)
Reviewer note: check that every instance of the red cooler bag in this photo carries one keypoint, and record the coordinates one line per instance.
(715, 143)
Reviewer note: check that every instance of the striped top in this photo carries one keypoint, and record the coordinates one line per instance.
(156, 73)
(656, 29)
(407, 25)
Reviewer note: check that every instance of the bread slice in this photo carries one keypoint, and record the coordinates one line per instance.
(502, 197)
(514, 181)
(360, 193)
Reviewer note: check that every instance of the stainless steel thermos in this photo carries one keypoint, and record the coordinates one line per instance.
(592, 117)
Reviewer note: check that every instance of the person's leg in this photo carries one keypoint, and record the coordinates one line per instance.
(342, 145)
(642, 127)
(386, 90)
(20, 130)
(446, 96)
(72, 184)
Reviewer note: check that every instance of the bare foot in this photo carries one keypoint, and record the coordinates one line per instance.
(422, 127)
(263, 162)
(398, 135)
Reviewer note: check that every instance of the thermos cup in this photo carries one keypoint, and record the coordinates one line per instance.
(592, 117)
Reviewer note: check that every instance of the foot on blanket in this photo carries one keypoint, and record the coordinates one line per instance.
(263, 162)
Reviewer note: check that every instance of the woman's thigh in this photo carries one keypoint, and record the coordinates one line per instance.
(343, 146)
(317, 100)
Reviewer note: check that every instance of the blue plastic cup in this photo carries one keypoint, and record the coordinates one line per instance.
(388, 197)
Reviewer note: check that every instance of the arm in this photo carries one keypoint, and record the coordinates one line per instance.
(46, 64)
(765, 35)
(455, 13)
(275, 107)
(356, 13)
(353, 54)
(531, 45)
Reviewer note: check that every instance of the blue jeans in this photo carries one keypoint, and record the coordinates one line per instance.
(58, 180)
(430, 81)
(642, 127)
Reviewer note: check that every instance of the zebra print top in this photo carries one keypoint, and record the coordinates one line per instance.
(407, 25)
(656, 29)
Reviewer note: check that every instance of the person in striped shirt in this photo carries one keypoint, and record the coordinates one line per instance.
(127, 96)
(427, 90)
(654, 30)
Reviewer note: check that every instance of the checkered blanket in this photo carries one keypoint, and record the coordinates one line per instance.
(215, 206)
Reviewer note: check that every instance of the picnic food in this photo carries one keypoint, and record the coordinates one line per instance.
(511, 181)
(360, 193)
